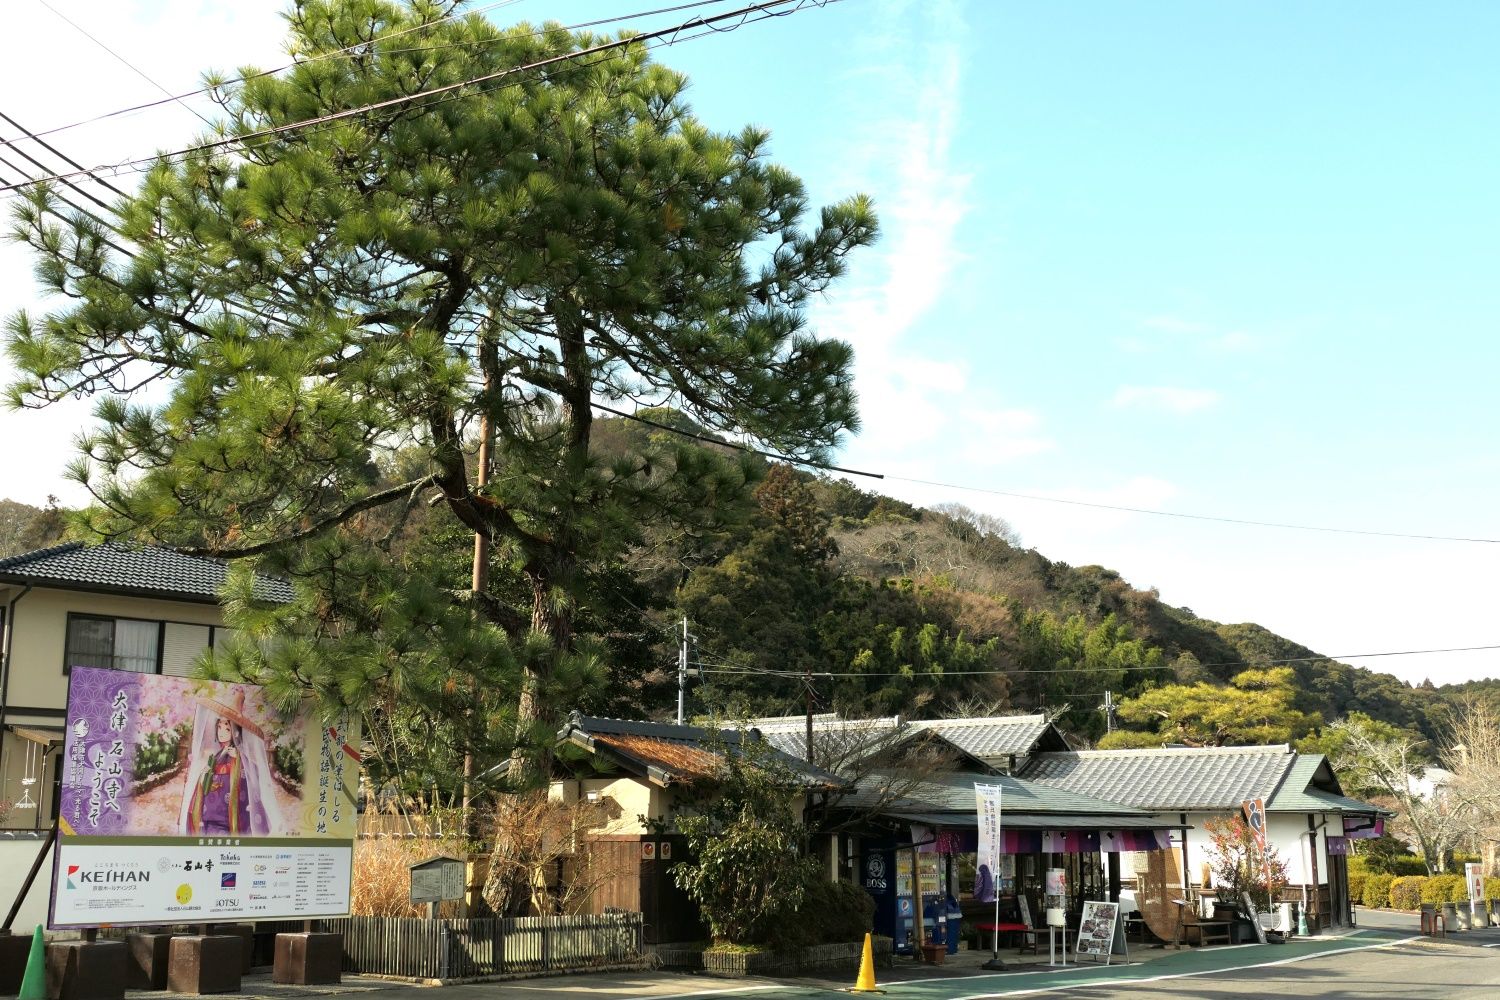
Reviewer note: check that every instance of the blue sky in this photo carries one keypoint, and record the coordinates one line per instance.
(1231, 259)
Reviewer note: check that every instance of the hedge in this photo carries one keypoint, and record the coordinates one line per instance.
(1406, 892)
(1441, 889)
(1377, 891)
(1357, 886)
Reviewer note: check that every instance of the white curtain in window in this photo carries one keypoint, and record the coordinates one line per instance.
(135, 646)
(182, 647)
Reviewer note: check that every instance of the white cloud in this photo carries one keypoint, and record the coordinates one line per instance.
(1169, 399)
(64, 77)
(1180, 330)
(910, 397)
(994, 436)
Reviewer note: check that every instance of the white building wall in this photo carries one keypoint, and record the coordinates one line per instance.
(1286, 832)
(17, 853)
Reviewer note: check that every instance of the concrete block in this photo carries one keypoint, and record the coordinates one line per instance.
(149, 957)
(308, 959)
(87, 970)
(201, 964)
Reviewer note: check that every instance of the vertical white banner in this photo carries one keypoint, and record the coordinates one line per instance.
(987, 803)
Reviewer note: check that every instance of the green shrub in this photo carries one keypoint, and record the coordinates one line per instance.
(1357, 886)
(1388, 855)
(1460, 893)
(1378, 891)
(1406, 892)
(1492, 887)
(1440, 889)
(831, 913)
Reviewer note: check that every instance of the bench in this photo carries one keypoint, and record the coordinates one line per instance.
(1188, 921)
(1005, 927)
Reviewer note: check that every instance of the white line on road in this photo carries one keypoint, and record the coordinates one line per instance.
(713, 993)
(1187, 975)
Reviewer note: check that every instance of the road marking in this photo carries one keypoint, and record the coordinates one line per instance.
(1187, 975)
(1051, 969)
(713, 993)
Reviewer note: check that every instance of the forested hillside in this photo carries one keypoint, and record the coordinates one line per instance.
(891, 609)
(929, 612)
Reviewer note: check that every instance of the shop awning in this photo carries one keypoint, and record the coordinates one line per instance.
(46, 737)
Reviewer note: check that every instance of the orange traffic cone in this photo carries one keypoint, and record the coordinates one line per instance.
(866, 981)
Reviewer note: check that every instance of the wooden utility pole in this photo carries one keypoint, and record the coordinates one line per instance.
(480, 577)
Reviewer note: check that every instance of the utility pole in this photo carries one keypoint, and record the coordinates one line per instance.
(807, 681)
(1108, 708)
(682, 666)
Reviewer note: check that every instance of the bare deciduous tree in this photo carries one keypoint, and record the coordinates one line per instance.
(1473, 755)
(539, 860)
(1438, 822)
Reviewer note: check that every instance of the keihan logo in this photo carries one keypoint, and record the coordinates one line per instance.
(105, 875)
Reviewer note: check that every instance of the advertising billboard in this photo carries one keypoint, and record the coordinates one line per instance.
(191, 801)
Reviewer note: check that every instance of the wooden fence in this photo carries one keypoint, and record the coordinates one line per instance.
(460, 949)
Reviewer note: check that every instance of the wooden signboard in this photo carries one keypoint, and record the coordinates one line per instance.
(437, 879)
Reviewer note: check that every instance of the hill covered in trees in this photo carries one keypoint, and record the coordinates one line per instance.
(881, 608)
(922, 612)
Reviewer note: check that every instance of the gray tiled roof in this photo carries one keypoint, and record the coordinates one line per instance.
(1302, 791)
(834, 738)
(144, 570)
(954, 792)
(1169, 778)
(993, 738)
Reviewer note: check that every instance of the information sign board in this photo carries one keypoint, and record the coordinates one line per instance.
(186, 801)
(437, 879)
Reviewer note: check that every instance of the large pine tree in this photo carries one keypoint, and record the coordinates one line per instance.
(507, 254)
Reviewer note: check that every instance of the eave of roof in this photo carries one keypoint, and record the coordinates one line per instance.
(665, 753)
(1039, 821)
(134, 571)
(1168, 779)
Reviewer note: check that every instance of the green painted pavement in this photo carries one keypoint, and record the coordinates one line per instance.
(1199, 962)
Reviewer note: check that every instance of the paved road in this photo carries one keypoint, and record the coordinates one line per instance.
(1385, 964)
(1415, 971)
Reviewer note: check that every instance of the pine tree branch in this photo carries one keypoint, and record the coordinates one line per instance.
(370, 502)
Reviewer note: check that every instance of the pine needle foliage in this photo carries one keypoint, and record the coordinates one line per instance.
(320, 297)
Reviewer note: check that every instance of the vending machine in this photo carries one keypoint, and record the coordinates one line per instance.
(922, 892)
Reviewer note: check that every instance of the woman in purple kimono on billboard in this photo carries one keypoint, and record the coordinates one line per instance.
(229, 790)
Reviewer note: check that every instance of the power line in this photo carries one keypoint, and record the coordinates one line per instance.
(128, 64)
(917, 675)
(1046, 499)
(1197, 517)
(270, 72)
(668, 35)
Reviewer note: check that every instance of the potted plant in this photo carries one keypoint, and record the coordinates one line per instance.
(1239, 869)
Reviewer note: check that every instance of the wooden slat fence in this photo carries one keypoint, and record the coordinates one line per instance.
(460, 949)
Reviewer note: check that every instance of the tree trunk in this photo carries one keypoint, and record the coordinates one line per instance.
(554, 621)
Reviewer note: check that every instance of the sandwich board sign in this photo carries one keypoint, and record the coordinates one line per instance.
(437, 879)
(1099, 931)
